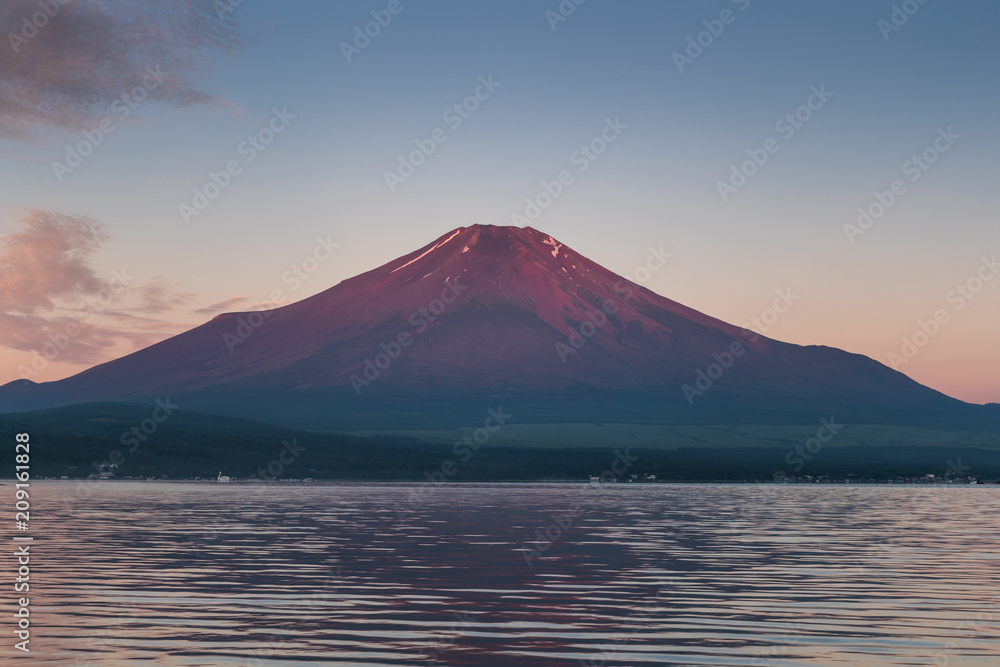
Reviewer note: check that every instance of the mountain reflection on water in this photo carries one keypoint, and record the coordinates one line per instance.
(511, 574)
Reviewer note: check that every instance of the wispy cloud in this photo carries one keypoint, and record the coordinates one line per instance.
(221, 306)
(268, 305)
(159, 296)
(68, 72)
(50, 295)
(48, 260)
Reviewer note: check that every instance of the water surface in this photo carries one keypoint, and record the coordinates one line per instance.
(489, 574)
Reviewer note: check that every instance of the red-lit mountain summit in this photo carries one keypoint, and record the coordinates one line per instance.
(486, 311)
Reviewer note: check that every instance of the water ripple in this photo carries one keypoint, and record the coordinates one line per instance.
(198, 574)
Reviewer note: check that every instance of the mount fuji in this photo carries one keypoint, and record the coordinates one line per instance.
(486, 316)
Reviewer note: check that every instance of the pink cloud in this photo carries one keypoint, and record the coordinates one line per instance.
(47, 260)
(51, 296)
(268, 305)
(158, 296)
(221, 306)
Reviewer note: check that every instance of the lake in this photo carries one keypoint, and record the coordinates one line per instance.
(161, 573)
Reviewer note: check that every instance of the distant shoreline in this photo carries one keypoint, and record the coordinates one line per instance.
(344, 482)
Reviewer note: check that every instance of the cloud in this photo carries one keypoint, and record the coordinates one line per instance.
(221, 306)
(52, 301)
(269, 305)
(88, 345)
(48, 260)
(158, 296)
(63, 70)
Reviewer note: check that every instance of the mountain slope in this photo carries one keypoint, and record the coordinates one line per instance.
(486, 312)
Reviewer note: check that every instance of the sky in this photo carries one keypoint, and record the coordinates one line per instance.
(162, 162)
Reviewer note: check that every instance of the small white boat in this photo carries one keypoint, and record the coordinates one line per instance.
(222, 479)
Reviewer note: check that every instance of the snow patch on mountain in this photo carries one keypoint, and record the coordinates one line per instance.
(435, 247)
(548, 240)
